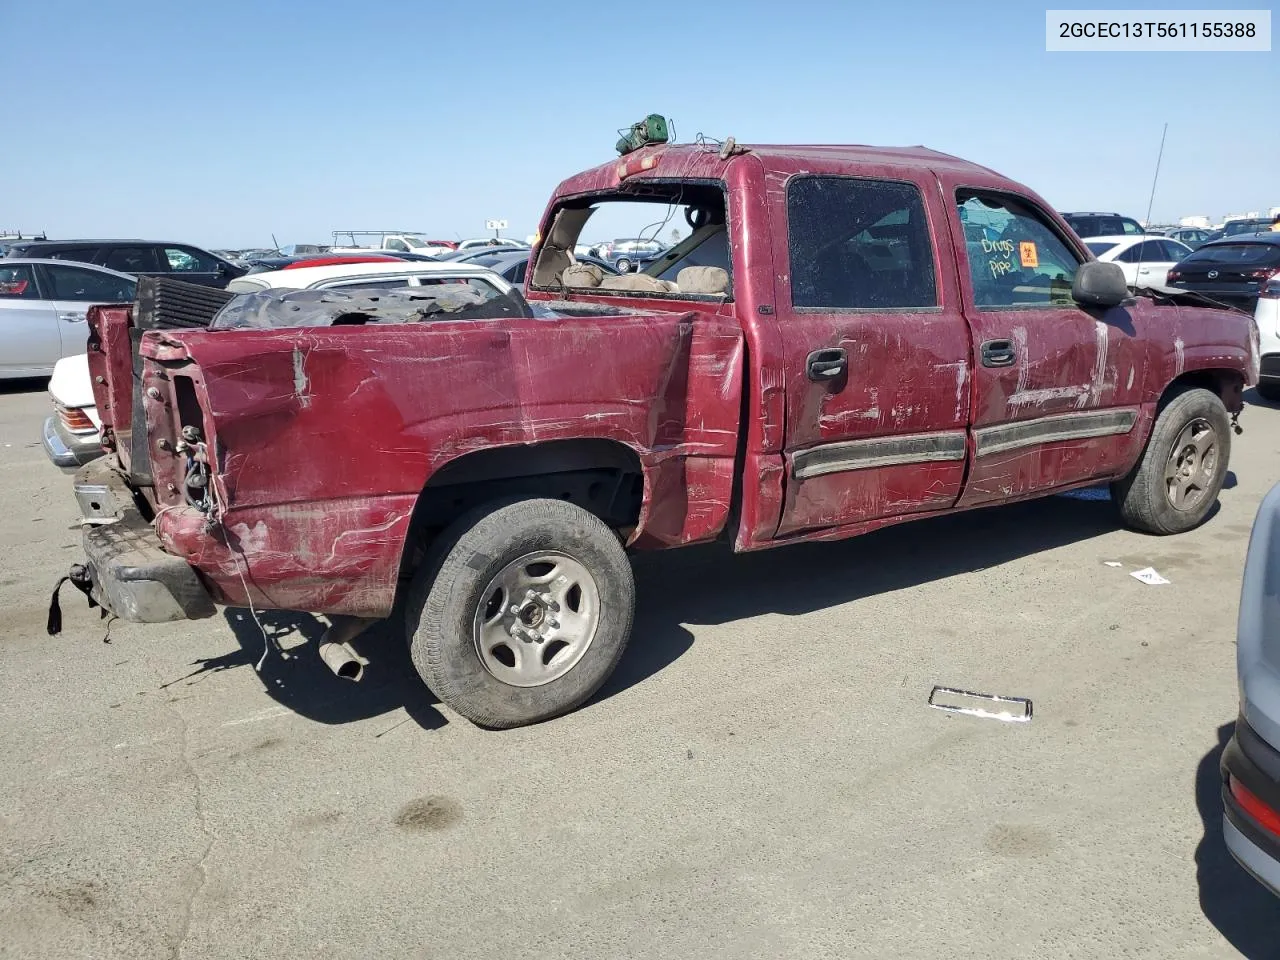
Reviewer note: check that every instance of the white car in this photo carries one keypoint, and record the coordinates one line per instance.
(42, 309)
(1267, 317)
(1145, 260)
(73, 435)
(382, 276)
(490, 242)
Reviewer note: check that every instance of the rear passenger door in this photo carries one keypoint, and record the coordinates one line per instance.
(139, 260)
(29, 344)
(876, 351)
(1057, 388)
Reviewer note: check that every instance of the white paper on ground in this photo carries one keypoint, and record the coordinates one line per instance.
(1148, 575)
(1113, 563)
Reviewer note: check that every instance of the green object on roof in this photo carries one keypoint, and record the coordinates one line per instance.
(652, 129)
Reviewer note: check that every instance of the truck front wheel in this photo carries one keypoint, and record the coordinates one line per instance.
(1177, 481)
(526, 615)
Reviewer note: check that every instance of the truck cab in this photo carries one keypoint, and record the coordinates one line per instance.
(914, 339)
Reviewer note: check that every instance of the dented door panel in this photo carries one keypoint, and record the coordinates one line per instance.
(888, 436)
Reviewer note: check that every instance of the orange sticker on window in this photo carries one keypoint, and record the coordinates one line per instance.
(1027, 254)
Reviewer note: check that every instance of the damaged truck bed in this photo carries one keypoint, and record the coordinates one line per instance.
(850, 337)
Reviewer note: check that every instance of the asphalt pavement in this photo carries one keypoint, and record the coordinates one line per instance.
(762, 778)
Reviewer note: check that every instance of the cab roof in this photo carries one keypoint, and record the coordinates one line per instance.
(702, 162)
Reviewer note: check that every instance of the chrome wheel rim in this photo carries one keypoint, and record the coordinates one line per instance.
(1193, 462)
(536, 618)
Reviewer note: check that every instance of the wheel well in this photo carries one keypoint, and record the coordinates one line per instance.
(603, 477)
(1227, 384)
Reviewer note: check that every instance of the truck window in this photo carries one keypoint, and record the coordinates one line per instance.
(653, 228)
(858, 244)
(1015, 258)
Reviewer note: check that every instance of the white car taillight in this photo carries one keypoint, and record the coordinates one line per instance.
(75, 419)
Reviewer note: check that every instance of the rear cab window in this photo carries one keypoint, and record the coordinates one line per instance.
(683, 222)
(1016, 259)
(858, 244)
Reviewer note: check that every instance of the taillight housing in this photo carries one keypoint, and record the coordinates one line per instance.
(75, 419)
(1253, 805)
(1271, 286)
(1173, 276)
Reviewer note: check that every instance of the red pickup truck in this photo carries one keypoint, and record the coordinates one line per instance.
(848, 337)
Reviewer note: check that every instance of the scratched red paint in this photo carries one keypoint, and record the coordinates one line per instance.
(327, 436)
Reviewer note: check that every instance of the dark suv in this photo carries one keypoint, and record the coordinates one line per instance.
(1102, 224)
(141, 258)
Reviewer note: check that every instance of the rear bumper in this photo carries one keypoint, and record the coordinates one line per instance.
(1256, 765)
(69, 450)
(131, 573)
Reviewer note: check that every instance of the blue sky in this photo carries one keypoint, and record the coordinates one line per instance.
(222, 123)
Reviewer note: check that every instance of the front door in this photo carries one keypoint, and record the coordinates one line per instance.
(191, 266)
(876, 351)
(1057, 388)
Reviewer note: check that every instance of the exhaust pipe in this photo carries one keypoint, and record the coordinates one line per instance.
(335, 646)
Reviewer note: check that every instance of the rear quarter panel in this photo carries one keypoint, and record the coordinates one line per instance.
(325, 437)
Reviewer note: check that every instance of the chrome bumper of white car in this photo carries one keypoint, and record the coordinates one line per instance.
(69, 451)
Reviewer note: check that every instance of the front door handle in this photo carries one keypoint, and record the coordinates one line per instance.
(998, 353)
(827, 364)
(72, 317)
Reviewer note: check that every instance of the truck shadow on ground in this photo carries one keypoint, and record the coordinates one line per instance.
(712, 585)
(295, 677)
(1241, 908)
(1251, 396)
(698, 585)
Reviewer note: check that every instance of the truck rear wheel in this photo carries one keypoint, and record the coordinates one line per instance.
(1177, 481)
(526, 614)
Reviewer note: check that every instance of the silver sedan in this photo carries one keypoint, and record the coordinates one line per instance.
(42, 310)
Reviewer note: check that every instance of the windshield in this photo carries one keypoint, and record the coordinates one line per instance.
(414, 243)
(1261, 254)
(1098, 249)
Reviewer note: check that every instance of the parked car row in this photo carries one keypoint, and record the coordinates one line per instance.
(1089, 226)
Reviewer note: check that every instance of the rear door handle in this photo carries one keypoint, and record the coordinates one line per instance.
(826, 364)
(72, 317)
(998, 353)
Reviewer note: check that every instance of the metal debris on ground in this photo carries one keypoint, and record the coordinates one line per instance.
(1148, 575)
(986, 705)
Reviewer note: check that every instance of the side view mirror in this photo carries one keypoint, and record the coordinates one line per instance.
(1099, 284)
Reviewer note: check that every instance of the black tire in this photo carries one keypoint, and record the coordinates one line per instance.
(445, 599)
(1269, 390)
(1143, 496)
